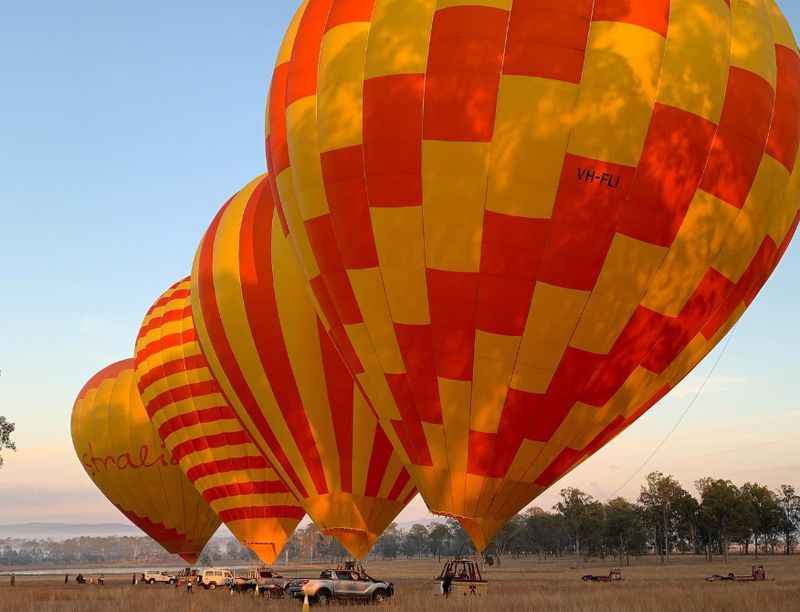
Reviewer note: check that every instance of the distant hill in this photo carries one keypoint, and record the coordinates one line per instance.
(425, 522)
(64, 531)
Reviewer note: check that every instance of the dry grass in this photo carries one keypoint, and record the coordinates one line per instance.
(515, 587)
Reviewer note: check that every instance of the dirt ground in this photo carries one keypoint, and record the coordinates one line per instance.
(517, 585)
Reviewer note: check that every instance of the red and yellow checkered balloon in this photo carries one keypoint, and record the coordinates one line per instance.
(525, 221)
(276, 363)
(203, 433)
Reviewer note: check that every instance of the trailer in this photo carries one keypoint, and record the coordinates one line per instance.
(615, 575)
(757, 574)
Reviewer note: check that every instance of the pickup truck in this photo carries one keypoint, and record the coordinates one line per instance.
(269, 582)
(337, 584)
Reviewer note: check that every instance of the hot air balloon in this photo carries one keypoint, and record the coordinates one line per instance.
(280, 370)
(527, 221)
(203, 432)
(120, 450)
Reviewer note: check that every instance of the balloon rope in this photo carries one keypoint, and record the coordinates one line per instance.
(680, 419)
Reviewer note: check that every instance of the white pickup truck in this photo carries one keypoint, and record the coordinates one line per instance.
(338, 584)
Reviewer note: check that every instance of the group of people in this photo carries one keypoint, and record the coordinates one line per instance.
(189, 581)
(81, 579)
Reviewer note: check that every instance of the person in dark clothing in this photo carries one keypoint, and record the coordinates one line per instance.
(66, 578)
(447, 585)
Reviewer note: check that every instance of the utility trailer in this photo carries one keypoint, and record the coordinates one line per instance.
(615, 575)
(758, 574)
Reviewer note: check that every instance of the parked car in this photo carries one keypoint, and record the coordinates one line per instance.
(268, 581)
(294, 588)
(152, 577)
(346, 584)
(214, 577)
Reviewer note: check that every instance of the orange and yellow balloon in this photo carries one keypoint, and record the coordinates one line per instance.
(525, 222)
(276, 363)
(202, 431)
(121, 452)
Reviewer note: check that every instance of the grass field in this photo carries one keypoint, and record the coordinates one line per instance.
(515, 587)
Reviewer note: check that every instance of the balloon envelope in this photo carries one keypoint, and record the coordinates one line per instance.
(275, 361)
(202, 431)
(121, 452)
(527, 221)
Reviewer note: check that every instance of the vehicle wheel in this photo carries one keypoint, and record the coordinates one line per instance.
(151, 581)
(323, 598)
(379, 596)
(212, 587)
(172, 581)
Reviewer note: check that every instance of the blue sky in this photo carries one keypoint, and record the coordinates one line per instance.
(123, 127)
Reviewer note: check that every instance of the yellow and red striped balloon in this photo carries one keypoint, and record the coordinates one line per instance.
(204, 434)
(526, 221)
(121, 452)
(285, 379)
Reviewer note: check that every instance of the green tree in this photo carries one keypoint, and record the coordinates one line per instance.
(686, 515)
(763, 512)
(309, 538)
(330, 548)
(624, 528)
(415, 541)
(662, 497)
(438, 536)
(789, 503)
(722, 509)
(580, 512)
(6, 442)
(460, 542)
(388, 545)
(546, 534)
(510, 538)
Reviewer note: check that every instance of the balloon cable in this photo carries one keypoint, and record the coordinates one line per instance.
(685, 412)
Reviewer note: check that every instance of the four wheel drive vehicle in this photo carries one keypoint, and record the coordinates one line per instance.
(615, 575)
(151, 577)
(294, 588)
(269, 582)
(460, 577)
(214, 577)
(338, 584)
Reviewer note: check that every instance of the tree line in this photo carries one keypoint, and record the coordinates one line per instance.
(664, 520)
(113, 550)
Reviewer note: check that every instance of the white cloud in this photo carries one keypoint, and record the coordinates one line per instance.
(695, 383)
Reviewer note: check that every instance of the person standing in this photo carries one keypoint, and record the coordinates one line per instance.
(447, 584)
(13, 579)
